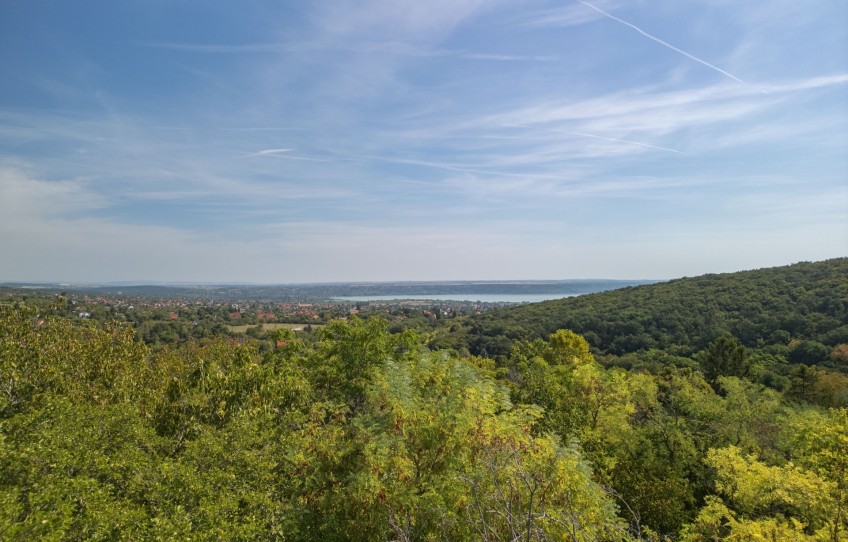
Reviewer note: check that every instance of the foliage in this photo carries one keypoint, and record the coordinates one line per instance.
(805, 301)
(724, 357)
(364, 434)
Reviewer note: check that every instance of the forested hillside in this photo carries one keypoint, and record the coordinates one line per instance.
(368, 435)
(801, 310)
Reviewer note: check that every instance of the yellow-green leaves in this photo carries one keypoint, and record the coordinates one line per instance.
(756, 501)
(567, 347)
(443, 451)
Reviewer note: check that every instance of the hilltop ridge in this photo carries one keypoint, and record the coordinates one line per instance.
(806, 301)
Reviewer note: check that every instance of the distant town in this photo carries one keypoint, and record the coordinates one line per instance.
(170, 314)
(165, 315)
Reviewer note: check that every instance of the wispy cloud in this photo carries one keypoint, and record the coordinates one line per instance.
(651, 112)
(563, 16)
(387, 48)
(235, 48)
(805, 84)
(406, 20)
(413, 137)
(25, 195)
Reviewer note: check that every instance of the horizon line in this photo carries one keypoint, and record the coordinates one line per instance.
(45, 283)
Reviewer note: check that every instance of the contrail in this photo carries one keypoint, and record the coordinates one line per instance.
(268, 152)
(661, 42)
(616, 140)
(283, 153)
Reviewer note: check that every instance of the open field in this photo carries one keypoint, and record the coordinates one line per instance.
(272, 326)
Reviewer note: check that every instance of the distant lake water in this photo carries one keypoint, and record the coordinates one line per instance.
(486, 298)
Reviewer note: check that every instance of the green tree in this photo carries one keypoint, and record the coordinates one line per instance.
(819, 443)
(808, 352)
(724, 357)
(348, 352)
(760, 502)
(439, 437)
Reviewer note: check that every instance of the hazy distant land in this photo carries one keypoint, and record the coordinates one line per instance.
(515, 290)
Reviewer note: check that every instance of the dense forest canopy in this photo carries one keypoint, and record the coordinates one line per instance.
(805, 302)
(353, 432)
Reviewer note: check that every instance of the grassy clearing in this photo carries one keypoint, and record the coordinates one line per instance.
(272, 326)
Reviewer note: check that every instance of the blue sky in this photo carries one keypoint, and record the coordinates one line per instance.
(261, 141)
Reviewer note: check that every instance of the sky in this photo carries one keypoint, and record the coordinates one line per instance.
(369, 140)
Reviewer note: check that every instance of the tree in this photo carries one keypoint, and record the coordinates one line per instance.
(756, 501)
(348, 352)
(567, 347)
(819, 442)
(438, 437)
(803, 380)
(808, 352)
(724, 357)
(839, 356)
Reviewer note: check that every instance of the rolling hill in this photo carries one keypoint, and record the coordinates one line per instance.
(801, 304)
